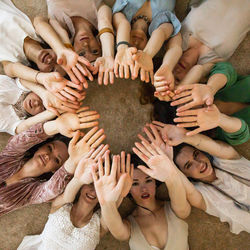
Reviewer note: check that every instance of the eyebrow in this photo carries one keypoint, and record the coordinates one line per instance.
(58, 156)
(186, 164)
(148, 177)
(135, 179)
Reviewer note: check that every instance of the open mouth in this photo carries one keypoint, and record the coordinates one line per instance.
(30, 104)
(90, 196)
(182, 65)
(42, 160)
(84, 38)
(203, 168)
(145, 196)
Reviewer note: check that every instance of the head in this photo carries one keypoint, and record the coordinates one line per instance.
(192, 162)
(144, 187)
(138, 39)
(188, 59)
(85, 41)
(49, 156)
(33, 104)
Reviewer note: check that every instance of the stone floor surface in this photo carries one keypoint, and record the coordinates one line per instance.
(123, 117)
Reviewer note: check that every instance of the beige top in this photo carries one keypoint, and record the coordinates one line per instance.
(177, 233)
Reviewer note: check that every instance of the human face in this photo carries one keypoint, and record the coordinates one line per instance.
(188, 59)
(88, 194)
(194, 163)
(33, 104)
(47, 62)
(87, 45)
(138, 39)
(143, 188)
(50, 157)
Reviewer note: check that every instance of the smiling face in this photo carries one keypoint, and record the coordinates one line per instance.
(138, 39)
(188, 59)
(33, 104)
(50, 157)
(88, 194)
(47, 62)
(143, 188)
(194, 163)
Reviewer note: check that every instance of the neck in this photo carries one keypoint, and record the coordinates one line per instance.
(32, 49)
(140, 24)
(80, 24)
(81, 213)
(152, 206)
(212, 177)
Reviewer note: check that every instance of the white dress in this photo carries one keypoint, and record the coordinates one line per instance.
(220, 24)
(223, 207)
(177, 233)
(62, 10)
(60, 234)
(15, 26)
(10, 91)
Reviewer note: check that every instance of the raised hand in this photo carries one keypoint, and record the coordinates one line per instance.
(193, 95)
(164, 80)
(79, 147)
(205, 118)
(108, 189)
(144, 64)
(68, 123)
(171, 134)
(105, 66)
(166, 97)
(160, 166)
(76, 66)
(87, 162)
(124, 62)
(155, 138)
(59, 86)
(125, 169)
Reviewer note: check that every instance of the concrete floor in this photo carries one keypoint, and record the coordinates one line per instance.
(119, 108)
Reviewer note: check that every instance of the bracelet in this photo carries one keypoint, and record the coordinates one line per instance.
(68, 45)
(122, 42)
(36, 76)
(105, 30)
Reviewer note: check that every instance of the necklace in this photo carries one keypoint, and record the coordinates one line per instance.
(145, 18)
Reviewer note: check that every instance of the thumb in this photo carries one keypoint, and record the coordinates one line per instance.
(133, 50)
(136, 56)
(209, 101)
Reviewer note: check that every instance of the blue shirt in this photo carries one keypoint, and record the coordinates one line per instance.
(162, 12)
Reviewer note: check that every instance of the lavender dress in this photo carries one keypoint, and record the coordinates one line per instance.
(29, 190)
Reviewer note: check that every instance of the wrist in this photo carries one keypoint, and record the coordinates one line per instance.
(39, 77)
(70, 166)
(50, 128)
(121, 46)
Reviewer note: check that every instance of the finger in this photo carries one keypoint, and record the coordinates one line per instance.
(102, 152)
(94, 174)
(86, 113)
(116, 158)
(82, 69)
(78, 74)
(54, 110)
(142, 138)
(96, 152)
(82, 109)
(186, 119)
(158, 149)
(162, 89)
(142, 156)
(160, 84)
(155, 132)
(116, 69)
(146, 170)
(184, 88)
(149, 135)
(123, 164)
(98, 142)
(90, 133)
(187, 124)
(111, 77)
(100, 167)
(100, 77)
(128, 164)
(95, 136)
(142, 75)
(136, 70)
(107, 164)
(106, 78)
(149, 148)
(72, 76)
(143, 149)
(60, 96)
(126, 70)
(151, 74)
(188, 112)
(194, 132)
(85, 62)
(186, 107)
(73, 85)
(182, 101)
(89, 118)
(121, 71)
(146, 76)
(72, 105)
(67, 109)
(183, 94)
(75, 138)
(67, 95)
(160, 124)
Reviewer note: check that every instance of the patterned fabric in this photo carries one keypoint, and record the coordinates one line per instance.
(29, 190)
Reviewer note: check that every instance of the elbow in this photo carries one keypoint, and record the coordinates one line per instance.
(184, 212)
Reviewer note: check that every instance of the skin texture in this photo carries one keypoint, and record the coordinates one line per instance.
(33, 104)
(88, 195)
(193, 163)
(188, 59)
(50, 157)
(138, 39)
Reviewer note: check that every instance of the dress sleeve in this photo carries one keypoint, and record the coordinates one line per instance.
(48, 190)
(19, 144)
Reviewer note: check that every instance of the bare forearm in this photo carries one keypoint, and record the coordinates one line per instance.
(62, 33)
(114, 221)
(41, 117)
(122, 27)
(229, 124)
(217, 82)
(34, 87)
(193, 76)
(177, 195)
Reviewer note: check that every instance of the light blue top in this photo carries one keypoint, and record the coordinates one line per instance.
(162, 12)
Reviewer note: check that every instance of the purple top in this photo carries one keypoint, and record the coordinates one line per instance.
(29, 190)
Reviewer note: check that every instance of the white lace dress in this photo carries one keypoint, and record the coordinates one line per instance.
(59, 233)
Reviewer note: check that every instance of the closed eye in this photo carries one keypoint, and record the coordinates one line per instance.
(135, 184)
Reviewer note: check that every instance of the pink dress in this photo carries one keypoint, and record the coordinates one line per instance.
(29, 190)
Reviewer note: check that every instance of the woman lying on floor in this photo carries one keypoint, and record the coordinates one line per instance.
(221, 175)
(24, 161)
(20, 45)
(80, 224)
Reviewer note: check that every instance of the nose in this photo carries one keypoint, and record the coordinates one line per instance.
(143, 188)
(46, 157)
(35, 103)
